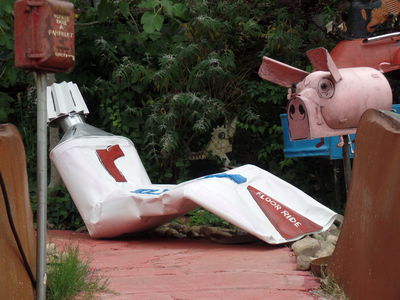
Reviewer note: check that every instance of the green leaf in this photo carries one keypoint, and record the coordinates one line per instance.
(168, 6)
(6, 41)
(151, 22)
(105, 9)
(180, 163)
(154, 36)
(179, 10)
(124, 8)
(6, 6)
(5, 107)
(149, 4)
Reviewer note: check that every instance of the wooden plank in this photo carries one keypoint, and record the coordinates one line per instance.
(158, 268)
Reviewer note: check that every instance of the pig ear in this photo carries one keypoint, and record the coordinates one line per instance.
(322, 61)
(280, 73)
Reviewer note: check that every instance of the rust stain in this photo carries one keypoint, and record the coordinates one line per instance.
(366, 258)
(14, 279)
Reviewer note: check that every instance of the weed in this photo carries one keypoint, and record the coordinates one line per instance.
(69, 276)
(201, 216)
(329, 289)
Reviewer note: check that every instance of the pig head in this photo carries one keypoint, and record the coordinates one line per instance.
(328, 101)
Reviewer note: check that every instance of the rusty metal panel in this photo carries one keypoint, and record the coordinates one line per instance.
(280, 73)
(381, 53)
(366, 260)
(44, 35)
(14, 280)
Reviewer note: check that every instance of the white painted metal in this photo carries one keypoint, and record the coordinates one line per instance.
(64, 99)
(91, 163)
(41, 84)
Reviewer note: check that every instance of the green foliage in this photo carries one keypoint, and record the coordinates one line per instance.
(69, 276)
(61, 211)
(330, 289)
(166, 72)
(5, 106)
(201, 216)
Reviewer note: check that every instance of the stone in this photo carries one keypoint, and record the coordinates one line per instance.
(320, 236)
(184, 229)
(333, 230)
(195, 231)
(304, 262)
(307, 246)
(167, 231)
(325, 250)
(339, 220)
(216, 232)
(332, 239)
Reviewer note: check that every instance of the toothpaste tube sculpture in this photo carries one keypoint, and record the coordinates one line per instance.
(114, 195)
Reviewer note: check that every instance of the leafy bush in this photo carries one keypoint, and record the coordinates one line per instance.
(201, 216)
(165, 73)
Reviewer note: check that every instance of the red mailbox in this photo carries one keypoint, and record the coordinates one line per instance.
(44, 37)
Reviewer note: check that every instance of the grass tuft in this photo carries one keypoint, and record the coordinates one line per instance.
(69, 276)
(329, 289)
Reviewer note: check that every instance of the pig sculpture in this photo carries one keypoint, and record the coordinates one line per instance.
(328, 101)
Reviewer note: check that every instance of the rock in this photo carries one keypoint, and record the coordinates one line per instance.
(304, 262)
(339, 220)
(332, 239)
(307, 246)
(184, 229)
(195, 231)
(320, 236)
(326, 249)
(167, 231)
(216, 232)
(334, 230)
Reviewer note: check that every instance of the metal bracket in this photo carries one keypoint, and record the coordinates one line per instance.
(35, 55)
(34, 3)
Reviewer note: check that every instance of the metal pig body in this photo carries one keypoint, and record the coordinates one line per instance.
(328, 101)
(322, 107)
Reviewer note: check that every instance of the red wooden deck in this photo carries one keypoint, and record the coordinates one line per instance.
(156, 268)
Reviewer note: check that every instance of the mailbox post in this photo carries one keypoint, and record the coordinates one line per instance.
(44, 41)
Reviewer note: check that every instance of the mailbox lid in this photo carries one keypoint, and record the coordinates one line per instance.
(44, 35)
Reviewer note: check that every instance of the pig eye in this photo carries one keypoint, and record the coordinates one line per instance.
(326, 88)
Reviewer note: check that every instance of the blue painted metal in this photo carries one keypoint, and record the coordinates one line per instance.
(309, 148)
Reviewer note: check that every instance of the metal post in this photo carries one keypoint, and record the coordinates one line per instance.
(41, 175)
(338, 189)
(346, 162)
